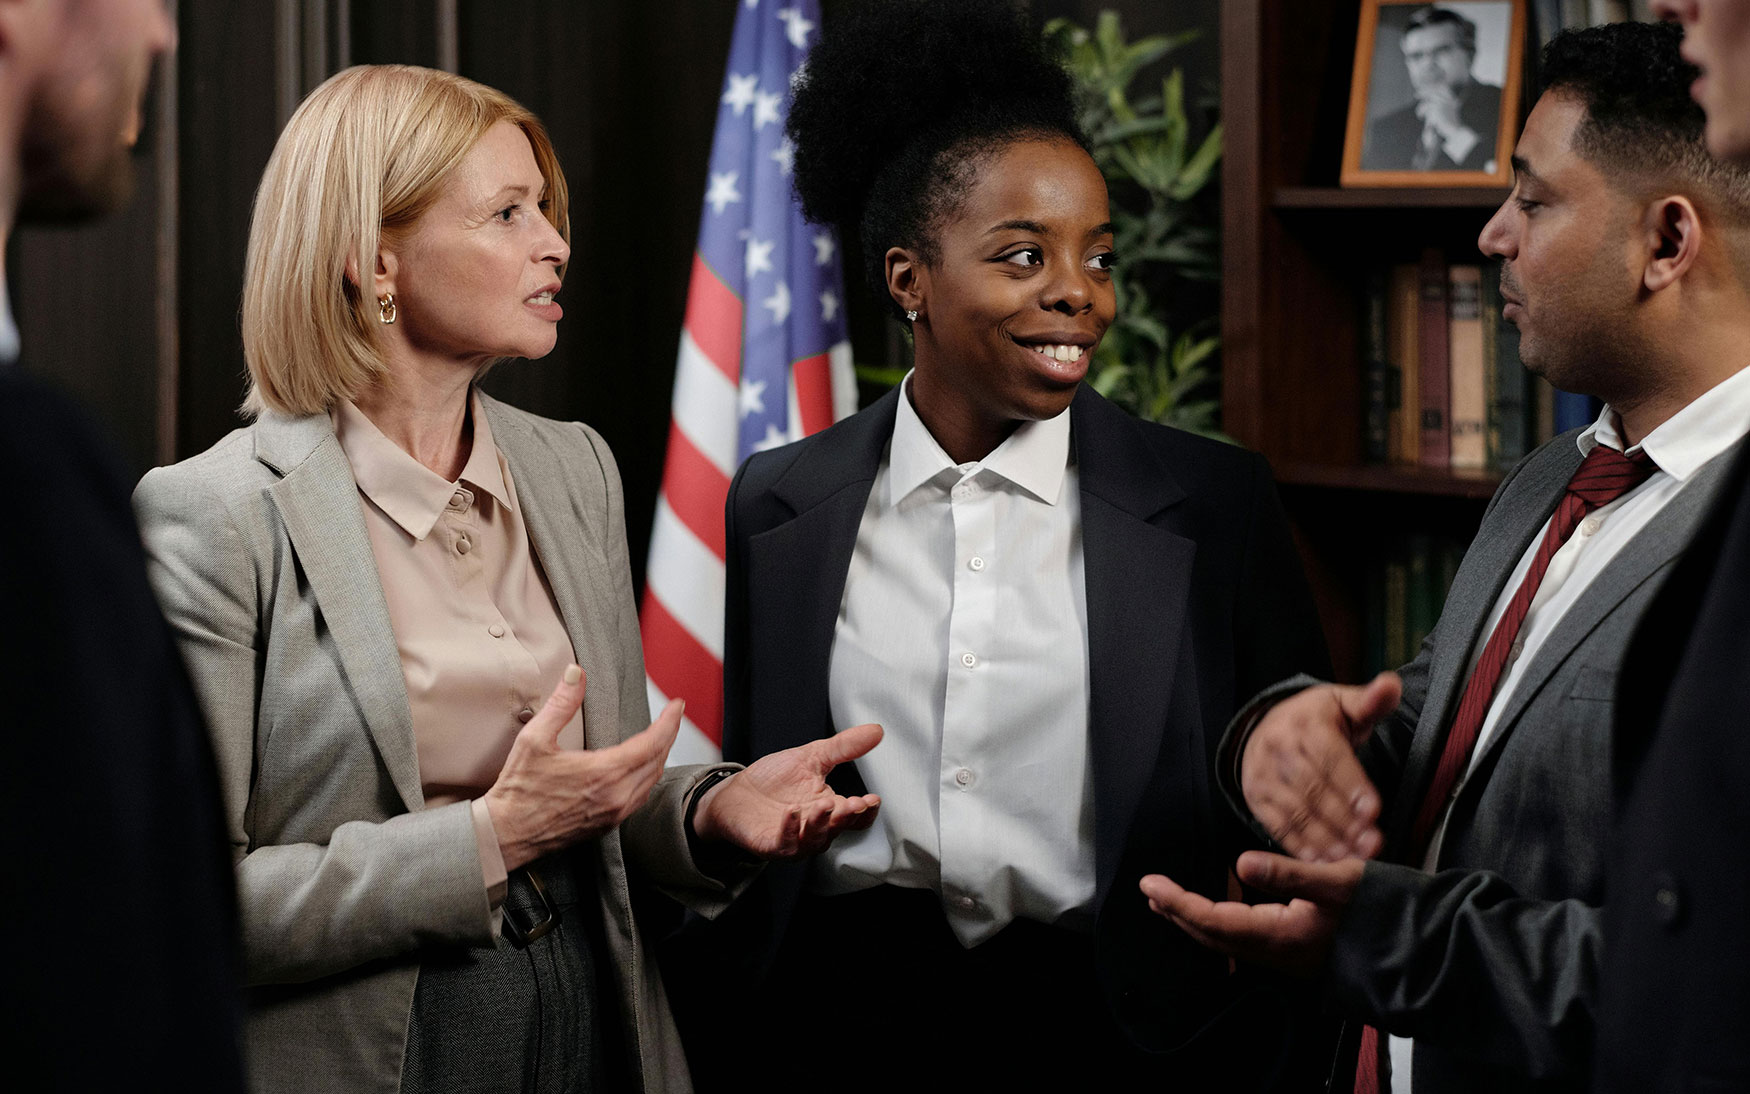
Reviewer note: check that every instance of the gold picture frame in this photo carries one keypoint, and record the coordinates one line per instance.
(1435, 97)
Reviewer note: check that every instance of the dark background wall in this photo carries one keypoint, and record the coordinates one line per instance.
(138, 314)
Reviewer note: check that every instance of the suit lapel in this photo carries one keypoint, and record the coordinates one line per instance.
(1137, 570)
(1503, 539)
(567, 543)
(1639, 560)
(324, 518)
(800, 565)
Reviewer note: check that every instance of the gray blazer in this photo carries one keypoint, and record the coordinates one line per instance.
(260, 557)
(1491, 963)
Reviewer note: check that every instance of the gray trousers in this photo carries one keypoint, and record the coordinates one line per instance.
(510, 1020)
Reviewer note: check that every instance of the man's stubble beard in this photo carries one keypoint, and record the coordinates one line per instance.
(73, 169)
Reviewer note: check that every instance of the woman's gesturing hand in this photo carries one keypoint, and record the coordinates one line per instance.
(781, 807)
(549, 797)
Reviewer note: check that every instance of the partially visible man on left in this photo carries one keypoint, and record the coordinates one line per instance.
(119, 910)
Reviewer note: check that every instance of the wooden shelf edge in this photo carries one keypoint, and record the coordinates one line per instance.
(1364, 198)
(1390, 480)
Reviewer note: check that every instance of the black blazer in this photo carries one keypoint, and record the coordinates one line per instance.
(123, 972)
(1675, 991)
(1195, 598)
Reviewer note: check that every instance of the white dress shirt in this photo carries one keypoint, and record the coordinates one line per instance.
(1679, 447)
(963, 631)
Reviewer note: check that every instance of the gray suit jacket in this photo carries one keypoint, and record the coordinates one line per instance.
(1491, 963)
(260, 557)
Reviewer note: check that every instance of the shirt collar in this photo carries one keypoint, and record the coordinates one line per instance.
(1711, 423)
(410, 493)
(1033, 457)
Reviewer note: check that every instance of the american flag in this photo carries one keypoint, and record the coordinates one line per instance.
(763, 361)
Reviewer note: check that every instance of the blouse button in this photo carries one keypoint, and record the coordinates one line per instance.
(464, 545)
(496, 630)
(524, 715)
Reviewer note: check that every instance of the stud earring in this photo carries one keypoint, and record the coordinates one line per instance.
(912, 316)
(386, 308)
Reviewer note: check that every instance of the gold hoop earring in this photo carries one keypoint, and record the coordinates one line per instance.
(386, 308)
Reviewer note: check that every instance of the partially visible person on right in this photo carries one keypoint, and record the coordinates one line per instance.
(1674, 1009)
(1472, 948)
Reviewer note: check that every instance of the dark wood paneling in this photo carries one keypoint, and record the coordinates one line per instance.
(403, 32)
(229, 122)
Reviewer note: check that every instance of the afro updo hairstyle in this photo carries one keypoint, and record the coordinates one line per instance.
(903, 102)
(1641, 123)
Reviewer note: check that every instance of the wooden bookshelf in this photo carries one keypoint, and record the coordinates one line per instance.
(1331, 197)
(1370, 478)
(1297, 250)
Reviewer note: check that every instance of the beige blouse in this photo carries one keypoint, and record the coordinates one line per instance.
(480, 637)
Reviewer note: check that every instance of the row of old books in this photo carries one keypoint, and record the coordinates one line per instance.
(1442, 378)
(1405, 592)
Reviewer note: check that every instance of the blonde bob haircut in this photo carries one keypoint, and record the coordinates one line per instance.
(358, 164)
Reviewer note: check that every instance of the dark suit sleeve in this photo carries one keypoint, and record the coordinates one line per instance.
(1275, 1037)
(126, 972)
(1461, 959)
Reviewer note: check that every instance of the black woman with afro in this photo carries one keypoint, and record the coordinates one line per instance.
(1051, 607)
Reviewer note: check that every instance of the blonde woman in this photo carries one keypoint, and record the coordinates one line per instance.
(376, 585)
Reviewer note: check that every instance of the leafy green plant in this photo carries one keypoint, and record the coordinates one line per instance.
(1164, 237)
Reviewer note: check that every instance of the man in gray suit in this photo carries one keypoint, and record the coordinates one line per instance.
(1469, 950)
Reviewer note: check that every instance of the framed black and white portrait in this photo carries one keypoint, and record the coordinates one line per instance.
(1435, 96)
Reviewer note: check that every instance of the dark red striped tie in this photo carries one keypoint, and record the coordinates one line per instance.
(1604, 475)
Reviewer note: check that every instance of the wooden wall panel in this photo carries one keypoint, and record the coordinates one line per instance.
(228, 118)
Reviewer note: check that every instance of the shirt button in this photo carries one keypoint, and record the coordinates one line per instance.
(963, 491)
(1517, 648)
(524, 715)
(496, 630)
(458, 501)
(976, 563)
(969, 660)
(964, 778)
(1590, 526)
(965, 903)
(1667, 900)
(464, 545)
